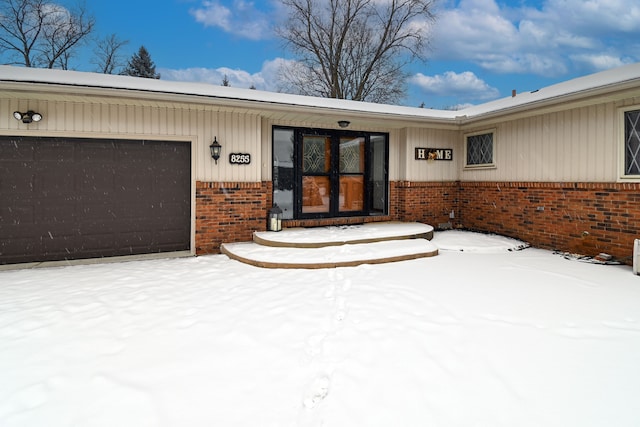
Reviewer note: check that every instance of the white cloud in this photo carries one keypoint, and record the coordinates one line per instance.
(551, 40)
(600, 61)
(242, 19)
(594, 17)
(465, 85)
(550, 65)
(266, 79)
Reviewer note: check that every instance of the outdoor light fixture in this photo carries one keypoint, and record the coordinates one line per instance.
(28, 117)
(344, 123)
(274, 219)
(215, 148)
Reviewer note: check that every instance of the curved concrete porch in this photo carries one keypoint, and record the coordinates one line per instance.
(335, 246)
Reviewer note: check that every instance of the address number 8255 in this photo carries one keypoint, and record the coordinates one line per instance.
(239, 158)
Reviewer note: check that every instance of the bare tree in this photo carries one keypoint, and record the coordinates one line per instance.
(355, 49)
(107, 54)
(35, 33)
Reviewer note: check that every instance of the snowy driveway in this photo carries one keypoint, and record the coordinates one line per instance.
(521, 339)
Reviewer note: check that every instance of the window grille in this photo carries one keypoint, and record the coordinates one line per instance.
(632, 142)
(480, 149)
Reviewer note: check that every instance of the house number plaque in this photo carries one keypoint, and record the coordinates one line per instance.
(239, 158)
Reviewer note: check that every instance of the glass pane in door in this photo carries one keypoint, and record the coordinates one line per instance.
(378, 175)
(316, 193)
(283, 173)
(316, 154)
(351, 193)
(351, 181)
(316, 179)
(351, 155)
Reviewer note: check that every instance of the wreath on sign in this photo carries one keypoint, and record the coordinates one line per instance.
(433, 155)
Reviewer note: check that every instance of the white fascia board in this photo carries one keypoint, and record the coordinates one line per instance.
(600, 83)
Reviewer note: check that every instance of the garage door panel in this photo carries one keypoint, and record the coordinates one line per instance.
(98, 242)
(54, 151)
(95, 152)
(16, 178)
(169, 210)
(13, 248)
(55, 207)
(13, 151)
(14, 212)
(171, 182)
(82, 198)
(98, 178)
(132, 180)
(54, 178)
(94, 212)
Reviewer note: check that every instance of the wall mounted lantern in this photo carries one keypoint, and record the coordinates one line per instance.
(274, 219)
(28, 117)
(215, 148)
(344, 123)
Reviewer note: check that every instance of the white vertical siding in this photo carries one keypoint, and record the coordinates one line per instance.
(580, 144)
(397, 158)
(237, 132)
(265, 147)
(422, 170)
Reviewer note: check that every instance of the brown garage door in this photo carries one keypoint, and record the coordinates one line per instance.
(85, 198)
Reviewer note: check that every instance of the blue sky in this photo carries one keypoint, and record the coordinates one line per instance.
(480, 51)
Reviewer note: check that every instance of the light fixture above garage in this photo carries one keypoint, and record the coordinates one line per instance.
(215, 148)
(28, 117)
(344, 123)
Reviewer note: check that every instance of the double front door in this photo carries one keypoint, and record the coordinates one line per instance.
(333, 173)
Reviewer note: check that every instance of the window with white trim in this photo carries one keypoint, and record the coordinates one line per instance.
(479, 150)
(632, 143)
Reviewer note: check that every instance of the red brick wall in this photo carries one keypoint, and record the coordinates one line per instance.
(585, 218)
(229, 212)
(427, 202)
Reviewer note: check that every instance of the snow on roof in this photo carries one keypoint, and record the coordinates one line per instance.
(628, 74)
(107, 81)
(605, 79)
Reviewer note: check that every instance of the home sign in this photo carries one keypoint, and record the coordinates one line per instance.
(434, 153)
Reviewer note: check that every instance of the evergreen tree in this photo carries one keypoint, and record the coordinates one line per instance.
(225, 81)
(141, 65)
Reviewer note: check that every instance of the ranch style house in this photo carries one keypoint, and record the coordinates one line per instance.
(95, 165)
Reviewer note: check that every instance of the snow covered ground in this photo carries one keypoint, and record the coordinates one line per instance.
(480, 337)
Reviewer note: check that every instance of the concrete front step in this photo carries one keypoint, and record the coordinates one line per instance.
(345, 255)
(335, 246)
(339, 235)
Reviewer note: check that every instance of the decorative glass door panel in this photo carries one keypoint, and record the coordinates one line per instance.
(351, 174)
(316, 169)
